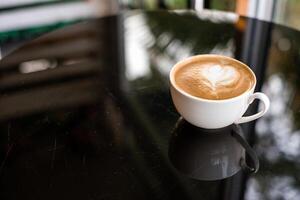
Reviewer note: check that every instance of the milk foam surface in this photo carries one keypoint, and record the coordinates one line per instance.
(214, 79)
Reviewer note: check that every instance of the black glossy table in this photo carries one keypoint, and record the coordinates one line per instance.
(85, 111)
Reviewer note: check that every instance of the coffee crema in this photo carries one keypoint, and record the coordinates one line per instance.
(214, 78)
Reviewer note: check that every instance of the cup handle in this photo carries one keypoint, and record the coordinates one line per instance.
(252, 155)
(266, 104)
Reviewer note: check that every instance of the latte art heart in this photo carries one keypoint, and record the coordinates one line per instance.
(217, 75)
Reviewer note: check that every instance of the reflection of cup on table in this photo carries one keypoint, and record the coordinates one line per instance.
(210, 154)
(213, 91)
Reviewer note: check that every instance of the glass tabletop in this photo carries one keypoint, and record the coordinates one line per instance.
(86, 113)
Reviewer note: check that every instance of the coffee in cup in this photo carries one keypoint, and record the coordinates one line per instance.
(213, 78)
(214, 91)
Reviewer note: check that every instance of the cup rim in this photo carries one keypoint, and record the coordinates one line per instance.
(180, 63)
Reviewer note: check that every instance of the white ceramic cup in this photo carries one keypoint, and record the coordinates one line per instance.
(212, 114)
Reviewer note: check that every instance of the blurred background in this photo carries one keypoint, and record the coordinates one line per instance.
(25, 19)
